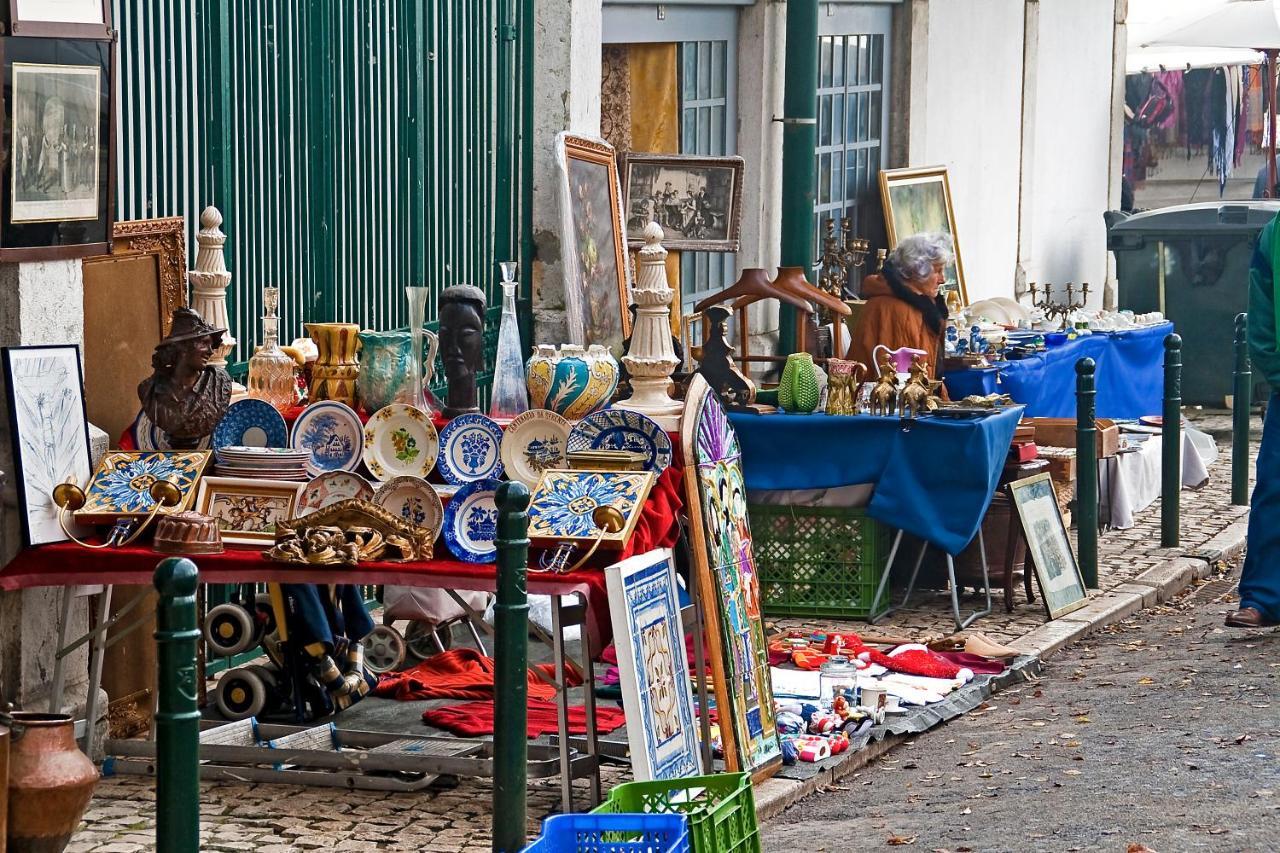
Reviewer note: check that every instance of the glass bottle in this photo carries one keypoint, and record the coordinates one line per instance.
(510, 391)
(271, 369)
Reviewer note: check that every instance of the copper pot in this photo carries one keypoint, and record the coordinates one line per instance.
(50, 782)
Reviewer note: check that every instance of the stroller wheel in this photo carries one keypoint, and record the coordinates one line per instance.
(422, 642)
(240, 694)
(266, 616)
(229, 630)
(271, 680)
(383, 649)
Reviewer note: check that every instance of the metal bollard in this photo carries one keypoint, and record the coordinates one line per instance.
(1171, 469)
(1086, 472)
(511, 661)
(1240, 405)
(177, 717)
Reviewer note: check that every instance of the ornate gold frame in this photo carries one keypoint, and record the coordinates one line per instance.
(354, 512)
(890, 178)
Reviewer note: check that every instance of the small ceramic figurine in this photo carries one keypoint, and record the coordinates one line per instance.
(185, 395)
(885, 393)
(462, 309)
(952, 340)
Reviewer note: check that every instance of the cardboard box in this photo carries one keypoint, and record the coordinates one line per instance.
(1061, 432)
(1023, 451)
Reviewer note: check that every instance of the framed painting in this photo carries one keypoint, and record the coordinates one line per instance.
(121, 485)
(1048, 546)
(597, 272)
(696, 200)
(58, 120)
(50, 432)
(726, 580)
(247, 511)
(918, 201)
(657, 693)
(89, 19)
(563, 502)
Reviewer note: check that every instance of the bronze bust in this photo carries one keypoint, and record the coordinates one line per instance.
(462, 346)
(184, 395)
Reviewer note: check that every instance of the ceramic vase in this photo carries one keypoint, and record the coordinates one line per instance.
(50, 783)
(571, 382)
(798, 392)
(333, 376)
(387, 370)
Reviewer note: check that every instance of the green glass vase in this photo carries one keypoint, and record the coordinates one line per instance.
(798, 391)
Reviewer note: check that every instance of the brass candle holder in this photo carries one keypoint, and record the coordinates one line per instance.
(69, 497)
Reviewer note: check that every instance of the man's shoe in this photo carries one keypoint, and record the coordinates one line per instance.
(1249, 617)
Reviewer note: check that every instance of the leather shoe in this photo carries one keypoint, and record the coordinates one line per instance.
(1249, 617)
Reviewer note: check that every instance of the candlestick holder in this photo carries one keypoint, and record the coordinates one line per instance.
(1053, 309)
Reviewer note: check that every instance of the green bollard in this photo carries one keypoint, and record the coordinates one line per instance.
(1086, 472)
(1171, 470)
(511, 662)
(177, 717)
(1240, 405)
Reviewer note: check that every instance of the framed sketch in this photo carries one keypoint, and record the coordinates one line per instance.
(726, 580)
(597, 274)
(918, 201)
(1061, 585)
(89, 19)
(247, 511)
(657, 693)
(58, 134)
(696, 200)
(50, 432)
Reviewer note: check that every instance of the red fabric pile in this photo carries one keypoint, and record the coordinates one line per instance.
(458, 674)
(475, 719)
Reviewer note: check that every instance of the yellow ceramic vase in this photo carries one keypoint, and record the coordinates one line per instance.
(333, 377)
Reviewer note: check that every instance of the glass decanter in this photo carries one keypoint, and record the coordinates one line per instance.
(271, 369)
(510, 390)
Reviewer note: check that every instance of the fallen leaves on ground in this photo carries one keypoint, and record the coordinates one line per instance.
(900, 840)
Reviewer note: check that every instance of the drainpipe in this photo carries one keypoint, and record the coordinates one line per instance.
(799, 140)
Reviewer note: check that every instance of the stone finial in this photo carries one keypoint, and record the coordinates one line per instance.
(651, 359)
(210, 278)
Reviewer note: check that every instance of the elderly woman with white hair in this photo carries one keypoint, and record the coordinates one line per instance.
(904, 307)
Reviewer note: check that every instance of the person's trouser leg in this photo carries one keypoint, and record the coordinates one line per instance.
(1260, 578)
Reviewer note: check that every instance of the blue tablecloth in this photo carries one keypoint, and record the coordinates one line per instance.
(1129, 378)
(934, 478)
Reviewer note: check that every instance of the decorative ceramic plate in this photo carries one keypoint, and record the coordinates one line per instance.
(534, 442)
(263, 456)
(471, 522)
(331, 432)
(412, 499)
(251, 423)
(400, 441)
(620, 429)
(331, 487)
(469, 450)
(148, 436)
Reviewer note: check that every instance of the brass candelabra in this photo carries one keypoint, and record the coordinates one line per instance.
(840, 255)
(1059, 309)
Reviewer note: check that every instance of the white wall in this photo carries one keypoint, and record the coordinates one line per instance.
(1071, 157)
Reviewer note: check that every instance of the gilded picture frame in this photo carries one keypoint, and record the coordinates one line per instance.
(247, 510)
(1048, 545)
(918, 201)
(697, 200)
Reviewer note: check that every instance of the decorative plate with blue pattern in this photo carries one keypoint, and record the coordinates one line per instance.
(620, 429)
(470, 450)
(332, 433)
(251, 423)
(471, 522)
(413, 500)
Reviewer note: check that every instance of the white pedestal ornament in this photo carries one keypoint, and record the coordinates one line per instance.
(209, 282)
(651, 359)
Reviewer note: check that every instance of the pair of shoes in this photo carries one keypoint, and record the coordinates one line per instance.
(977, 644)
(1249, 617)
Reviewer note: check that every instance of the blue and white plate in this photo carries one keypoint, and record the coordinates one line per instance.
(620, 429)
(470, 450)
(251, 423)
(332, 433)
(471, 522)
(148, 436)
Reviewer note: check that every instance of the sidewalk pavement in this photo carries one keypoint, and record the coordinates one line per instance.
(1134, 573)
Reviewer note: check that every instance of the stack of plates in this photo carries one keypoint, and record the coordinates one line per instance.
(262, 463)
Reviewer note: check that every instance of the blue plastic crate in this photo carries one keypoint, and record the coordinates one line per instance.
(613, 833)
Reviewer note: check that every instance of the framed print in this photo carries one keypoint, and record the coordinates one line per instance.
(597, 272)
(50, 432)
(90, 19)
(58, 176)
(121, 485)
(657, 693)
(696, 200)
(918, 201)
(247, 511)
(1061, 585)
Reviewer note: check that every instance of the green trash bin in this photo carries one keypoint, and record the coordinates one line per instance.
(1191, 262)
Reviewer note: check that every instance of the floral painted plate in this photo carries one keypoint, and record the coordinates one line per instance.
(412, 499)
(471, 522)
(620, 429)
(331, 432)
(251, 423)
(400, 441)
(469, 450)
(534, 442)
(331, 487)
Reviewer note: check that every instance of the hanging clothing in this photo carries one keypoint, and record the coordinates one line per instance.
(1195, 103)
(1221, 116)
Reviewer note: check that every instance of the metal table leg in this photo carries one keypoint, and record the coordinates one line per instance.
(97, 649)
(884, 580)
(59, 677)
(955, 595)
(562, 705)
(589, 689)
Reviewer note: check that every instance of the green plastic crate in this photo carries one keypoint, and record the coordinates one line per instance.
(818, 561)
(721, 809)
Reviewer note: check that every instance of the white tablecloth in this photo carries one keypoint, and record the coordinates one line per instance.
(1130, 482)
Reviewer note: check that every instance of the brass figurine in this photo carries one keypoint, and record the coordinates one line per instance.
(185, 395)
(884, 396)
(917, 396)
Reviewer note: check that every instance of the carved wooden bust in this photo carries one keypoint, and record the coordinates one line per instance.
(184, 395)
